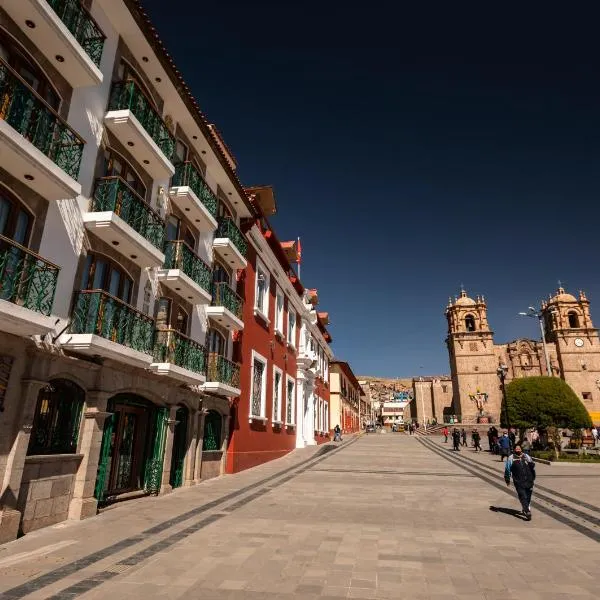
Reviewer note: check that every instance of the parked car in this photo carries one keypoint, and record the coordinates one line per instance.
(370, 429)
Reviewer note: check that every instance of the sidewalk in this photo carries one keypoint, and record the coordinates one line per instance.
(72, 547)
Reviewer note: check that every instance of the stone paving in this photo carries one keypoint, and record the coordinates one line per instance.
(384, 516)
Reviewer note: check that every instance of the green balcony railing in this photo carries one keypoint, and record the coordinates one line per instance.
(222, 370)
(173, 347)
(178, 255)
(128, 95)
(186, 174)
(224, 296)
(227, 229)
(81, 24)
(31, 116)
(26, 279)
(114, 194)
(99, 313)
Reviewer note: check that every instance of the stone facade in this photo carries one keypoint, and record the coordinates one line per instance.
(572, 345)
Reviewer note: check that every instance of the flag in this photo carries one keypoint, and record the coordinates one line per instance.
(299, 252)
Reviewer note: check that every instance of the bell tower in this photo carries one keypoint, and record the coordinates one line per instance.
(568, 326)
(473, 363)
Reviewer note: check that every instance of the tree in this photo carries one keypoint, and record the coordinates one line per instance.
(546, 403)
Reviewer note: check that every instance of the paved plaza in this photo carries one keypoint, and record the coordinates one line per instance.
(382, 516)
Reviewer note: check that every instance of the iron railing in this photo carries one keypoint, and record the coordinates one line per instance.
(128, 95)
(186, 174)
(223, 371)
(99, 313)
(116, 195)
(178, 255)
(81, 24)
(173, 347)
(228, 229)
(32, 117)
(26, 279)
(224, 296)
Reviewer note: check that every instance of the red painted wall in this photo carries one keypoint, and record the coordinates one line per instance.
(254, 443)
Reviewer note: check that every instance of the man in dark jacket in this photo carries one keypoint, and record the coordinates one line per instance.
(522, 469)
(456, 439)
(504, 443)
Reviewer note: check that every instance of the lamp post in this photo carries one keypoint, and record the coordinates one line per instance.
(535, 314)
(501, 371)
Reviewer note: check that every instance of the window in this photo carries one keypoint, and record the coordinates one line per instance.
(261, 291)
(291, 388)
(291, 332)
(216, 342)
(181, 152)
(473, 346)
(326, 416)
(147, 298)
(445, 389)
(15, 220)
(57, 417)
(101, 273)
(587, 395)
(258, 388)
(470, 323)
(178, 230)
(213, 423)
(279, 303)
(573, 320)
(115, 165)
(277, 400)
(171, 315)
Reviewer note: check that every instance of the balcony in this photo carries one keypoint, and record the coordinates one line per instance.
(179, 357)
(185, 273)
(226, 308)
(230, 244)
(135, 121)
(223, 376)
(27, 287)
(104, 326)
(65, 32)
(36, 145)
(193, 197)
(120, 217)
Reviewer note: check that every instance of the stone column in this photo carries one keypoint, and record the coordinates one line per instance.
(198, 461)
(165, 487)
(190, 456)
(83, 503)
(224, 432)
(10, 517)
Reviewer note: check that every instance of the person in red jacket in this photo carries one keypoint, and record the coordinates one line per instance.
(445, 434)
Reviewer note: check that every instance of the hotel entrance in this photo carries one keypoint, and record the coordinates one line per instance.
(133, 446)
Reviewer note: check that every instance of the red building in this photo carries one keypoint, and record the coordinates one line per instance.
(277, 311)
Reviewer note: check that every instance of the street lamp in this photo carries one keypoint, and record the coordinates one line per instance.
(502, 370)
(534, 314)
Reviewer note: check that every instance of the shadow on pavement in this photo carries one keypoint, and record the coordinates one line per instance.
(509, 511)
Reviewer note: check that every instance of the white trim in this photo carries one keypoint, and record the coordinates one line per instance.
(291, 332)
(279, 316)
(264, 311)
(288, 380)
(276, 415)
(263, 392)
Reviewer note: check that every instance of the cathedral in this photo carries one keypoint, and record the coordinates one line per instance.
(572, 346)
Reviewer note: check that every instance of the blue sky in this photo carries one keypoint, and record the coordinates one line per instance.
(411, 153)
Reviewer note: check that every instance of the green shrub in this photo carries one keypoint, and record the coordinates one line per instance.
(543, 402)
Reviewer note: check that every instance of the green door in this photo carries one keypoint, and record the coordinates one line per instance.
(179, 447)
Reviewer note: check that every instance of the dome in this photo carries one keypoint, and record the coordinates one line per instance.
(562, 296)
(464, 300)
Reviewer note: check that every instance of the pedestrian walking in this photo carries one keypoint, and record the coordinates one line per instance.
(456, 439)
(504, 443)
(521, 468)
(445, 434)
(476, 438)
(490, 436)
(337, 434)
(595, 435)
(513, 439)
(463, 435)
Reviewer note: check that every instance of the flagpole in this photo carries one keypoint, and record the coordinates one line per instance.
(299, 257)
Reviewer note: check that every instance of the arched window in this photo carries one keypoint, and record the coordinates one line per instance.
(16, 57)
(573, 320)
(470, 323)
(15, 219)
(171, 315)
(212, 431)
(177, 229)
(115, 165)
(57, 417)
(147, 298)
(221, 273)
(127, 72)
(101, 273)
